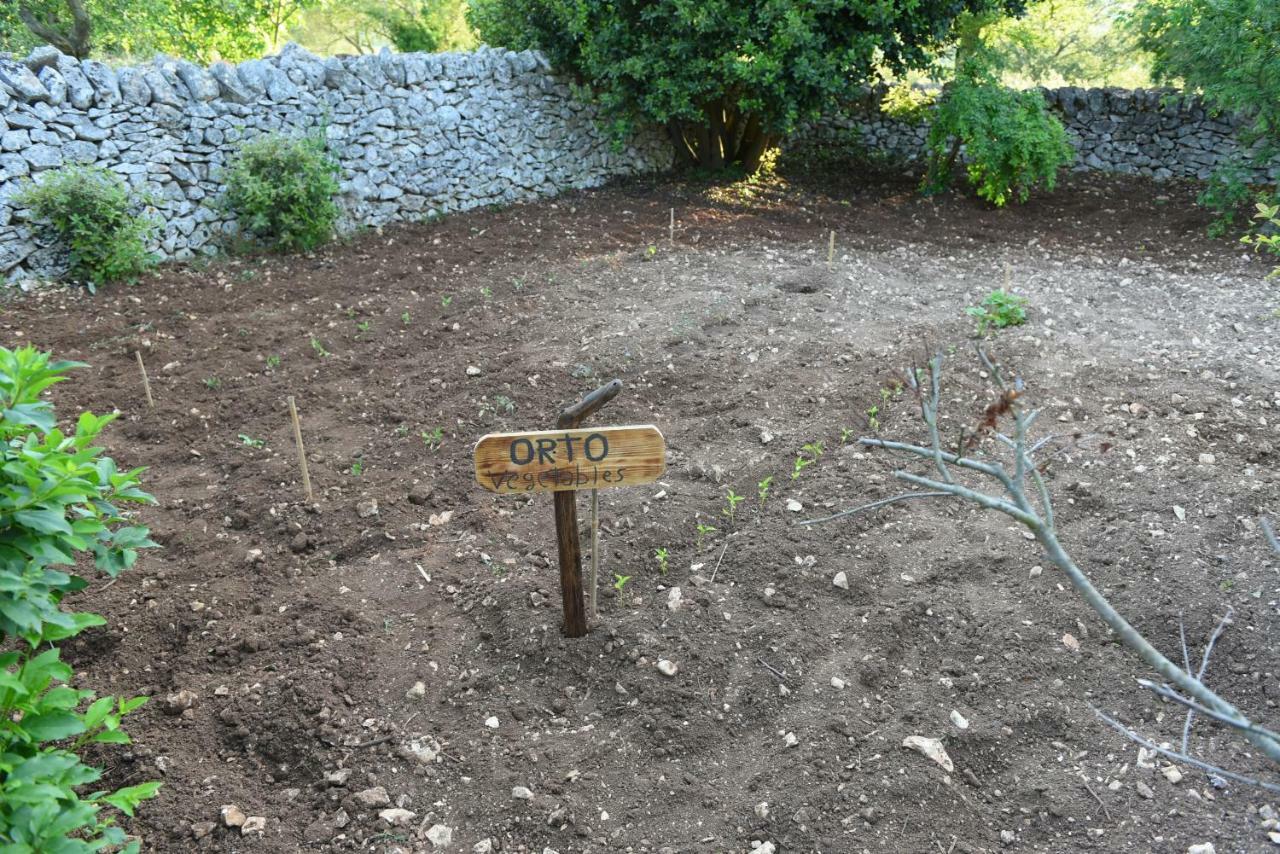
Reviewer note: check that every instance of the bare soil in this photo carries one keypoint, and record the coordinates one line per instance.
(302, 630)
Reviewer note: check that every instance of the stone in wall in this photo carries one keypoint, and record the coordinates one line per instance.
(416, 136)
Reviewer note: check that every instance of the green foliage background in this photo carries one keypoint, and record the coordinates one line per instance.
(724, 76)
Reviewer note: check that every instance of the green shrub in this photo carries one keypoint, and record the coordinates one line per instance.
(281, 189)
(999, 309)
(98, 221)
(1267, 236)
(57, 494)
(727, 79)
(1011, 141)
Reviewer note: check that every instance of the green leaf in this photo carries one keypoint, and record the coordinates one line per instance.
(126, 800)
(43, 521)
(52, 726)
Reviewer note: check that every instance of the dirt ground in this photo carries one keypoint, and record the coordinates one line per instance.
(345, 661)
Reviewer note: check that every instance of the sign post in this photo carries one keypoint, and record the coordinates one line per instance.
(563, 461)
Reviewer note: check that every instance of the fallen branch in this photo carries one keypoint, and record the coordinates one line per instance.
(1180, 757)
(1014, 501)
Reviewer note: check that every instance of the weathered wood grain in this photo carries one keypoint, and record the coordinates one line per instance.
(562, 460)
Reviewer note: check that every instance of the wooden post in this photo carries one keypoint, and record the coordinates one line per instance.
(594, 581)
(566, 509)
(302, 451)
(146, 383)
(671, 229)
(831, 248)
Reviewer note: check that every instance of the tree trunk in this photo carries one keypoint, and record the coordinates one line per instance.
(713, 155)
(755, 142)
(75, 41)
(684, 158)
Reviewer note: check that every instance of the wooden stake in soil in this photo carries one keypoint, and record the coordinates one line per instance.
(565, 461)
(302, 451)
(831, 248)
(146, 383)
(671, 229)
(594, 580)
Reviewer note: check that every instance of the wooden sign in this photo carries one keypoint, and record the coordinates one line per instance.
(562, 460)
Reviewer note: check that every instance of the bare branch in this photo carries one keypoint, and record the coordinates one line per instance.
(1269, 534)
(1181, 757)
(875, 504)
(1236, 723)
(73, 40)
(976, 497)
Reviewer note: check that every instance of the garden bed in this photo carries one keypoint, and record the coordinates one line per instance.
(304, 631)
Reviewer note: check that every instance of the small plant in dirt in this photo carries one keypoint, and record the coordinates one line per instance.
(702, 531)
(620, 584)
(433, 438)
(1267, 236)
(873, 418)
(730, 509)
(487, 293)
(318, 348)
(212, 383)
(998, 310)
(446, 301)
(762, 490)
(662, 557)
(357, 467)
(808, 455)
(847, 433)
(273, 362)
(404, 318)
(251, 442)
(281, 190)
(362, 327)
(504, 403)
(58, 497)
(97, 220)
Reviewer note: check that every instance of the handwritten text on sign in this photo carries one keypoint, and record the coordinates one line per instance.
(557, 460)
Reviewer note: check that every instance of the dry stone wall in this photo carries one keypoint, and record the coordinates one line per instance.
(1159, 133)
(417, 135)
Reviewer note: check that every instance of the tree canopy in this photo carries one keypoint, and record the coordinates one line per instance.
(198, 29)
(727, 78)
(1227, 49)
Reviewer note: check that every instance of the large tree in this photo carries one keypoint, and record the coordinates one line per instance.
(726, 78)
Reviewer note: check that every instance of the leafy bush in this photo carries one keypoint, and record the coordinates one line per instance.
(56, 501)
(1267, 237)
(999, 309)
(1011, 141)
(281, 189)
(726, 78)
(98, 220)
(1226, 193)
